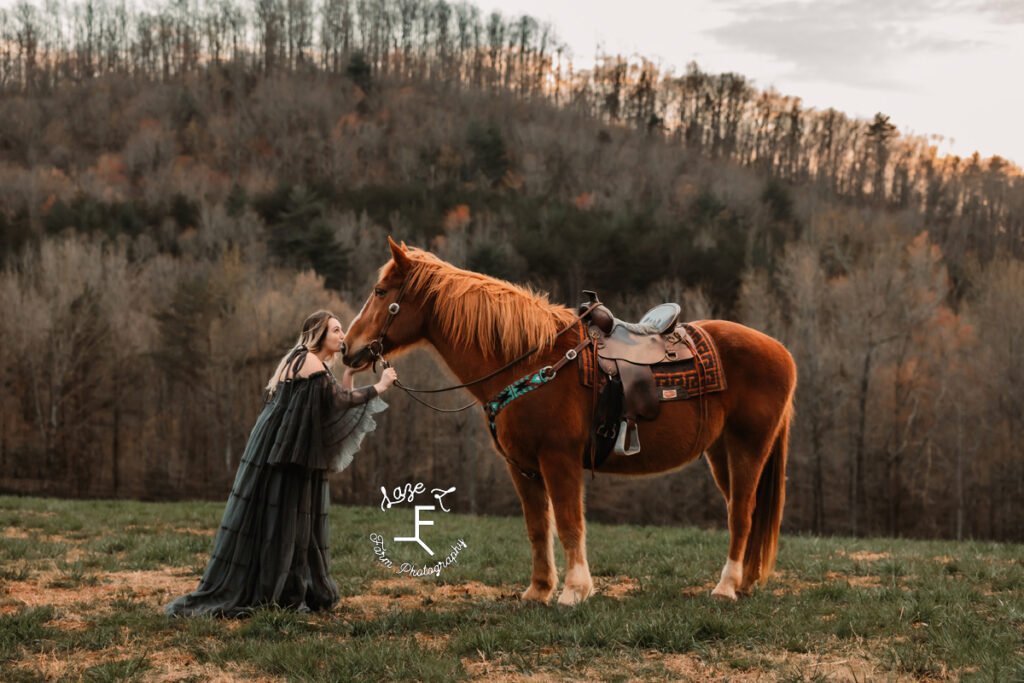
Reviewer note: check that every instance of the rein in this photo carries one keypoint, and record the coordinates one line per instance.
(377, 352)
(509, 393)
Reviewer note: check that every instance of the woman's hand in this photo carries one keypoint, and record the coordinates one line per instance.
(387, 378)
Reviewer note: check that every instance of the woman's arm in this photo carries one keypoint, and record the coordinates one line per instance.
(347, 379)
(344, 397)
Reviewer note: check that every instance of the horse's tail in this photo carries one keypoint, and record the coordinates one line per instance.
(763, 542)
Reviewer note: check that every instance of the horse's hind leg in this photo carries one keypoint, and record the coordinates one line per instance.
(745, 461)
(565, 486)
(718, 463)
(537, 513)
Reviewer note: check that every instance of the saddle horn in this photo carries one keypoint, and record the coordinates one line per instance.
(599, 314)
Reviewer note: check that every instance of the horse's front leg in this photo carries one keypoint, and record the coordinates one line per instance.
(564, 478)
(537, 513)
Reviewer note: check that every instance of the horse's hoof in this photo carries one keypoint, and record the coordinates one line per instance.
(720, 594)
(532, 594)
(574, 596)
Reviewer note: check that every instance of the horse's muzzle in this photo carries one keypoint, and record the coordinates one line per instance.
(357, 359)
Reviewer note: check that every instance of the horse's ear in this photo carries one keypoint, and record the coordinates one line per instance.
(402, 260)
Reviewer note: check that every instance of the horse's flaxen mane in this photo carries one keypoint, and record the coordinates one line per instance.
(472, 309)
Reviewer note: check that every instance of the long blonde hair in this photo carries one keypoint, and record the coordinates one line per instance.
(314, 331)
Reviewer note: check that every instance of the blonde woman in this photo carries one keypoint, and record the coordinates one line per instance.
(271, 548)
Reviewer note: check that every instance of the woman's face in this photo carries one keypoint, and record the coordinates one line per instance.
(335, 336)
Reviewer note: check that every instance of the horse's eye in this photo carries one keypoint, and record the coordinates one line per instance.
(379, 292)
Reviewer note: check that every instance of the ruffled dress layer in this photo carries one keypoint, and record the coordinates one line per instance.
(272, 544)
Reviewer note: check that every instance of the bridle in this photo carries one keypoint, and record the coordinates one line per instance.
(544, 375)
(376, 348)
(376, 345)
(377, 352)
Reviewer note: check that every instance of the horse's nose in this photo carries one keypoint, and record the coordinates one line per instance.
(344, 349)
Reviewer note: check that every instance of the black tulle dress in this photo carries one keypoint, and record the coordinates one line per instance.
(272, 545)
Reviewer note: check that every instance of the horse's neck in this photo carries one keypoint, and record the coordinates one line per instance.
(469, 364)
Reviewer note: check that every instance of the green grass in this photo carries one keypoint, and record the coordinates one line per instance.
(866, 608)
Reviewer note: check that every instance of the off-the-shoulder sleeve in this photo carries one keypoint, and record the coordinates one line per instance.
(343, 399)
(347, 419)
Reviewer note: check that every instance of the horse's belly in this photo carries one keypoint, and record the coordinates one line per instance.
(668, 443)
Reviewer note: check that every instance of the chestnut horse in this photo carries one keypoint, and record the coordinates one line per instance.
(478, 324)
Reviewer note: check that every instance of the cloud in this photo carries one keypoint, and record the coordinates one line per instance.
(1005, 11)
(853, 42)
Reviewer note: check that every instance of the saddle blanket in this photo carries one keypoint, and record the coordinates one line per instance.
(675, 381)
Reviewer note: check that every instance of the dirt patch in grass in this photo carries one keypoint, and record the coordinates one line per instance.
(160, 665)
(432, 641)
(70, 622)
(793, 586)
(47, 666)
(156, 584)
(410, 593)
(687, 667)
(618, 587)
(472, 589)
(845, 668)
(866, 581)
(499, 673)
(174, 665)
(852, 669)
(701, 591)
(866, 556)
(385, 594)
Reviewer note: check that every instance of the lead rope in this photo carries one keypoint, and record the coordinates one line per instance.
(410, 393)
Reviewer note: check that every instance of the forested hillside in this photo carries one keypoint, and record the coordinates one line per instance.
(179, 187)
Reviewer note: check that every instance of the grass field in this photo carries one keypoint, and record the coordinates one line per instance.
(83, 584)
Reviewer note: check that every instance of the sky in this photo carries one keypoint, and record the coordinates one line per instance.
(953, 69)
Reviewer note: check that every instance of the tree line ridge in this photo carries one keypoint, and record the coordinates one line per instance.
(180, 185)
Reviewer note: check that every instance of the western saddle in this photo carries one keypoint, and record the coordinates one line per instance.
(628, 350)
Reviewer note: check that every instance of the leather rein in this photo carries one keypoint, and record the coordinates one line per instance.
(376, 348)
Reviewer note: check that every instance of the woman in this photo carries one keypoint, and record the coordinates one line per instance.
(271, 548)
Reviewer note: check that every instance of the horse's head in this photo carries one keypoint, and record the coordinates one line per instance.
(391, 318)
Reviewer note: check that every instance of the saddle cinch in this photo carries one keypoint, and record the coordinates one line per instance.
(628, 350)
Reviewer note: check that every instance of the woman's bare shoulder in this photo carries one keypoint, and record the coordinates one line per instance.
(311, 365)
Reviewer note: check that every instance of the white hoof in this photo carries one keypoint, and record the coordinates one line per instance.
(723, 593)
(578, 585)
(574, 595)
(732, 575)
